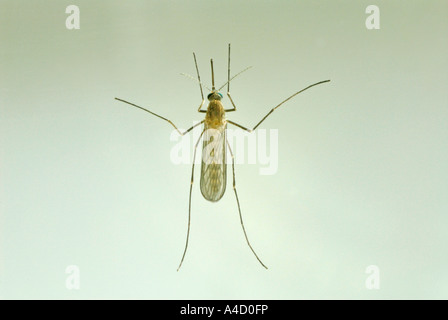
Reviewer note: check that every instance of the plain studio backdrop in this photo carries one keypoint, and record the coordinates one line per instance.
(93, 207)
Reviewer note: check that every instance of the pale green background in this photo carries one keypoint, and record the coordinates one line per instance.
(88, 181)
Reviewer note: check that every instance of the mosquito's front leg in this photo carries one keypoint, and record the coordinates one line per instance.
(228, 84)
(200, 85)
(200, 107)
(155, 114)
(233, 104)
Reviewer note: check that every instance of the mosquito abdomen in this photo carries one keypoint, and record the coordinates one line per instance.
(213, 168)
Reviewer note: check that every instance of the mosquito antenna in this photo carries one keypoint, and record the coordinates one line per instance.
(227, 83)
(213, 76)
(200, 83)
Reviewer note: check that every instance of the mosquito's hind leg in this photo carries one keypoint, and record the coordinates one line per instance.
(238, 203)
(189, 201)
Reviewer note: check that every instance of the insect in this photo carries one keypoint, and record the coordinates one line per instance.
(213, 134)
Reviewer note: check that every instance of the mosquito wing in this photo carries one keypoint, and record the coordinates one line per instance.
(213, 169)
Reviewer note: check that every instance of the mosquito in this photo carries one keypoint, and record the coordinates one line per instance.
(213, 134)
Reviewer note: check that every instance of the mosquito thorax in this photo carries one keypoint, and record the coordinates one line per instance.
(214, 95)
(215, 116)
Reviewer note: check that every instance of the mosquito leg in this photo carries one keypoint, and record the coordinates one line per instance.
(239, 208)
(239, 126)
(272, 110)
(155, 114)
(289, 98)
(200, 107)
(200, 84)
(189, 201)
(233, 104)
(228, 85)
(228, 72)
(228, 92)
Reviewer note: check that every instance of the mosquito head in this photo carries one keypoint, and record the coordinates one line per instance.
(214, 95)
